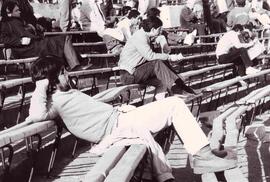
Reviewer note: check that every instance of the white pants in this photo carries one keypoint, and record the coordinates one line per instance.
(158, 115)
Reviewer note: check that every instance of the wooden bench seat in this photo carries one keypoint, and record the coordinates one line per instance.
(102, 168)
(125, 168)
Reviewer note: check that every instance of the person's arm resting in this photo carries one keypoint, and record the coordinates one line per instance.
(40, 109)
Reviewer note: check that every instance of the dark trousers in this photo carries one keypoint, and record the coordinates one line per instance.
(154, 73)
(72, 58)
(239, 57)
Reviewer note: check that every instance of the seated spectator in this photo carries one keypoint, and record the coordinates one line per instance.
(101, 123)
(113, 37)
(218, 19)
(165, 37)
(141, 65)
(258, 13)
(238, 15)
(25, 44)
(160, 42)
(231, 50)
(188, 19)
(128, 25)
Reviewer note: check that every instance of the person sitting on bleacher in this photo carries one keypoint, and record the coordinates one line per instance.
(102, 123)
(188, 19)
(25, 43)
(258, 13)
(239, 14)
(113, 37)
(139, 64)
(231, 50)
(128, 25)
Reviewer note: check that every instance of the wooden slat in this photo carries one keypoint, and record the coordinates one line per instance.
(18, 61)
(188, 74)
(90, 72)
(125, 168)
(68, 33)
(85, 44)
(105, 55)
(113, 93)
(101, 169)
(15, 82)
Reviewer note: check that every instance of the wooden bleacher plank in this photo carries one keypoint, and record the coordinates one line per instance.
(68, 33)
(232, 81)
(104, 55)
(90, 71)
(101, 169)
(124, 169)
(14, 82)
(188, 74)
(87, 44)
(17, 61)
(113, 93)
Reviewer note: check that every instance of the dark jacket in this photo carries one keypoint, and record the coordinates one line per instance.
(13, 29)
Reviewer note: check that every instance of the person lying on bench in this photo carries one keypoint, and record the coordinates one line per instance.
(99, 122)
(26, 43)
(139, 64)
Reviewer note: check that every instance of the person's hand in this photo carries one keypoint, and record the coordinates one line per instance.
(42, 84)
(176, 57)
(25, 40)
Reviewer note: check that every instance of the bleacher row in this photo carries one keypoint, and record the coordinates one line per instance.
(208, 76)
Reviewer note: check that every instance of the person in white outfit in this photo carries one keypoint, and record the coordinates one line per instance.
(96, 121)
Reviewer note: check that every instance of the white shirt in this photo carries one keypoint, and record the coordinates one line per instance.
(124, 26)
(229, 40)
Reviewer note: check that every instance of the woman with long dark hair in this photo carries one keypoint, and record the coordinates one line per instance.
(25, 43)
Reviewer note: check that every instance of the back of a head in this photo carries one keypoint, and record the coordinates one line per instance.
(125, 10)
(237, 28)
(241, 3)
(151, 22)
(133, 14)
(47, 67)
(153, 12)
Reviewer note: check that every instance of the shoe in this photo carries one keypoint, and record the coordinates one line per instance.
(250, 70)
(80, 67)
(205, 161)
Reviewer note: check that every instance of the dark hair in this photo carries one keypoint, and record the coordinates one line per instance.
(153, 12)
(8, 7)
(27, 12)
(237, 27)
(111, 22)
(133, 14)
(46, 23)
(47, 67)
(125, 10)
(151, 22)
